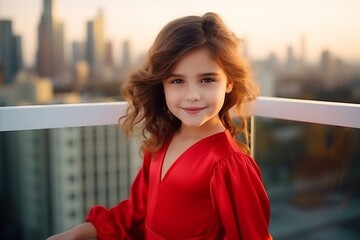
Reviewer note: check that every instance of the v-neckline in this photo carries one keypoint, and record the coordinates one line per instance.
(163, 177)
(166, 147)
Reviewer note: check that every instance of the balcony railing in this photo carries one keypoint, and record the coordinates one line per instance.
(95, 114)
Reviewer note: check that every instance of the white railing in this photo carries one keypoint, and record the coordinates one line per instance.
(19, 118)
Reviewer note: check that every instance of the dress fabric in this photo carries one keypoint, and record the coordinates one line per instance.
(212, 191)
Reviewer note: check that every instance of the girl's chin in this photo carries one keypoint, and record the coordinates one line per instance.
(196, 124)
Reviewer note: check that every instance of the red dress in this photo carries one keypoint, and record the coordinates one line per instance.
(212, 191)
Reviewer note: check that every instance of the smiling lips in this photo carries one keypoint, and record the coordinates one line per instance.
(193, 110)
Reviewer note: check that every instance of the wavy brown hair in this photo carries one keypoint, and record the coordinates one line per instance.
(143, 90)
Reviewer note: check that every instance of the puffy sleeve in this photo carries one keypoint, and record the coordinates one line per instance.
(240, 199)
(126, 219)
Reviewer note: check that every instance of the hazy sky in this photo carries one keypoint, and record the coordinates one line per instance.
(266, 25)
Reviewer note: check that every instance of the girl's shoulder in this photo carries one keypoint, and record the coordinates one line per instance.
(224, 144)
(237, 161)
(229, 155)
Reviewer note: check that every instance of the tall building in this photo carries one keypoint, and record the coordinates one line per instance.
(34, 216)
(108, 72)
(290, 58)
(109, 57)
(329, 67)
(325, 61)
(77, 52)
(126, 56)
(10, 53)
(95, 45)
(303, 50)
(50, 53)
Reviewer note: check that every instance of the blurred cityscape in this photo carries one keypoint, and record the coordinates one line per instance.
(50, 178)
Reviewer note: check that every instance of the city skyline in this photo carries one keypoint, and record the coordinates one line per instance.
(328, 25)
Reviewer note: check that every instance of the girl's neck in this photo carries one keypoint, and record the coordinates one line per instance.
(201, 132)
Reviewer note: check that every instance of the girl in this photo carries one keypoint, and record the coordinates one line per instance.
(197, 181)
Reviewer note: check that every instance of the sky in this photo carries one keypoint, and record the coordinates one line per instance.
(266, 26)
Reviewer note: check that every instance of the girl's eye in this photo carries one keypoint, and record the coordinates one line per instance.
(207, 80)
(176, 81)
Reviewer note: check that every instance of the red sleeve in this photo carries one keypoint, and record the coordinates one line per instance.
(240, 199)
(125, 220)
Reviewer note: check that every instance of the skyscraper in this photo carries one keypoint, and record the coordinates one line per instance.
(303, 50)
(77, 52)
(10, 53)
(95, 45)
(126, 56)
(50, 54)
(108, 56)
(290, 58)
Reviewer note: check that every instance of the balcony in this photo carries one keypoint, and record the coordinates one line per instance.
(58, 160)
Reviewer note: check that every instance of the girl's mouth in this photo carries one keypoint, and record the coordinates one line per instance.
(193, 110)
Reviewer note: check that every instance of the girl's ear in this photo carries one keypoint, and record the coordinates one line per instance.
(229, 86)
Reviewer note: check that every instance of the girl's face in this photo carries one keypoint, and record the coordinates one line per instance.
(195, 90)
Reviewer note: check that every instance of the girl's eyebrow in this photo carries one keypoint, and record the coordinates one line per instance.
(208, 74)
(172, 75)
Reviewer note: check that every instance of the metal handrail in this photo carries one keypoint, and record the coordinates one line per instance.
(18, 118)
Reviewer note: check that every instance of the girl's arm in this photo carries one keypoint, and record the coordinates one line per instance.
(240, 198)
(81, 232)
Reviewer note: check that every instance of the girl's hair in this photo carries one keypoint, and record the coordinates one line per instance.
(144, 92)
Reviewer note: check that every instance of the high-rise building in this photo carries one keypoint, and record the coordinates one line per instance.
(34, 216)
(108, 72)
(126, 56)
(95, 45)
(77, 52)
(10, 53)
(330, 66)
(109, 58)
(50, 53)
(303, 50)
(290, 58)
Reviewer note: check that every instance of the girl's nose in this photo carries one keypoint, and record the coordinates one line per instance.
(192, 94)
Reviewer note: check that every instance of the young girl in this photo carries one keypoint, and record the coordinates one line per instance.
(196, 181)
